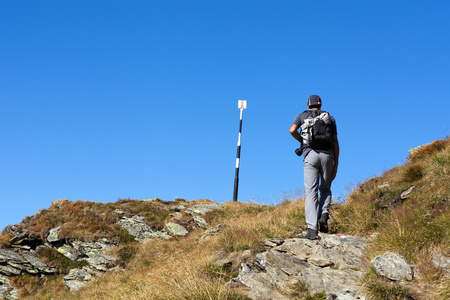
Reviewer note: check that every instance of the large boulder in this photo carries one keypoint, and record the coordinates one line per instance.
(331, 265)
(393, 266)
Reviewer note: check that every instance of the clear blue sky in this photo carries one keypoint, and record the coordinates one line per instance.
(101, 100)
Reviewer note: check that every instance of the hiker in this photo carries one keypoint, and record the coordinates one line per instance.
(320, 149)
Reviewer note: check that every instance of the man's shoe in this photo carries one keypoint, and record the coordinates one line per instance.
(311, 235)
(323, 223)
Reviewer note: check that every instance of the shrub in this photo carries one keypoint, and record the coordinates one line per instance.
(413, 173)
(127, 253)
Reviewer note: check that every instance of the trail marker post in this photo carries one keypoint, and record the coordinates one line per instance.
(242, 104)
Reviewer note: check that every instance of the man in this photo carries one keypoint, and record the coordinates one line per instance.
(320, 163)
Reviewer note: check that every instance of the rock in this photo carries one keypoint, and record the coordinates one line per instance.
(13, 264)
(54, 235)
(414, 150)
(69, 252)
(384, 185)
(77, 278)
(101, 262)
(212, 232)
(246, 254)
(95, 254)
(440, 262)
(9, 271)
(271, 272)
(200, 221)
(119, 211)
(162, 235)
(38, 265)
(136, 226)
(19, 238)
(176, 229)
(392, 266)
(406, 193)
(201, 209)
(336, 282)
(6, 290)
(178, 208)
(340, 250)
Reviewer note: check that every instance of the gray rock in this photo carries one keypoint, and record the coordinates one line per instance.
(38, 265)
(136, 226)
(406, 193)
(200, 221)
(69, 252)
(7, 256)
(198, 210)
(161, 235)
(271, 272)
(54, 235)
(339, 250)
(384, 185)
(178, 208)
(14, 264)
(95, 254)
(330, 281)
(77, 278)
(176, 229)
(441, 262)
(212, 232)
(414, 150)
(9, 271)
(392, 266)
(101, 262)
(201, 209)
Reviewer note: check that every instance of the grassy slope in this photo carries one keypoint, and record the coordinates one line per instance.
(180, 268)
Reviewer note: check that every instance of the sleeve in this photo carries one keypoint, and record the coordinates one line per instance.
(298, 120)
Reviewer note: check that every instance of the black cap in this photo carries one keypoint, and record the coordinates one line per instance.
(314, 100)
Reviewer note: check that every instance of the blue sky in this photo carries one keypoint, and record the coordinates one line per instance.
(101, 100)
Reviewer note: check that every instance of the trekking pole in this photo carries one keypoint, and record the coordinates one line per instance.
(242, 104)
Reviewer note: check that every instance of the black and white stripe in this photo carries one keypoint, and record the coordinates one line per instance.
(238, 157)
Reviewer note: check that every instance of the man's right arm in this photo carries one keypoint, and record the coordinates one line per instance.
(294, 132)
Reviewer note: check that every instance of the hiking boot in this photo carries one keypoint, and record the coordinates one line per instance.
(323, 223)
(311, 235)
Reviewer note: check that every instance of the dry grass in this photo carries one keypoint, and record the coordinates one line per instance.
(183, 269)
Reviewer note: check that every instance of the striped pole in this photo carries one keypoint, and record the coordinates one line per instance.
(242, 104)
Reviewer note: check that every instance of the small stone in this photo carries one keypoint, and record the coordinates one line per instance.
(405, 194)
(246, 254)
(383, 186)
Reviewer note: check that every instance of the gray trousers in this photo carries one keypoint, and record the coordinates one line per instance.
(317, 166)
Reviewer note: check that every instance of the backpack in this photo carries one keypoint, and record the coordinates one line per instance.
(316, 131)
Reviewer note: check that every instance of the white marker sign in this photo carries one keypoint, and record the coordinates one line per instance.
(242, 104)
